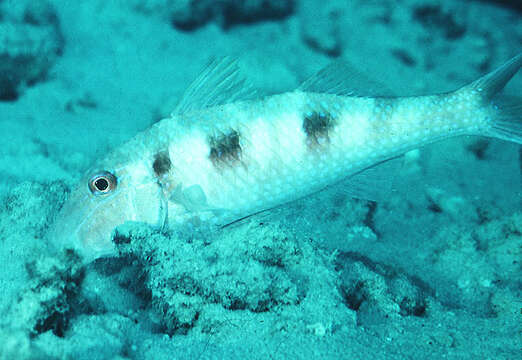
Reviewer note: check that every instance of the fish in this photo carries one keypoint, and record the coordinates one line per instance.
(226, 153)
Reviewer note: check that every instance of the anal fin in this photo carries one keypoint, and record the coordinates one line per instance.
(374, 183)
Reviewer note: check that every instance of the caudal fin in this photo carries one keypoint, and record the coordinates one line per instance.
(506, 115)
(507, 122)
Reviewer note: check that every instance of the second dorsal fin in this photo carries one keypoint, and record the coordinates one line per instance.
(219, 83)
(340, 78)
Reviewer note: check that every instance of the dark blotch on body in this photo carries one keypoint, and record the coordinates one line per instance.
(162, 163)
(317, 126)
(225, 148)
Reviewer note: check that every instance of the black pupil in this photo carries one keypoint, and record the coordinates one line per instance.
(101, 184)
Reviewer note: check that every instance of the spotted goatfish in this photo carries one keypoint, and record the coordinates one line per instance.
(222, 156)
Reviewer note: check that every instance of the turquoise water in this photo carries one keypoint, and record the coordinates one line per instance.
(431, 271)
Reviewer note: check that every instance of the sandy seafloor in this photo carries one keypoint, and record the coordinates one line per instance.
(431, 271)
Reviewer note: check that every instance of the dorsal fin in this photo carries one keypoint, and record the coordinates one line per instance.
(340, 78)
(219, 83)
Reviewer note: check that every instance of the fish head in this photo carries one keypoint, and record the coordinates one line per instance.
(101, 201)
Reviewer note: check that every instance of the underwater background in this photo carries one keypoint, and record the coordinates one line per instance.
(433, 271)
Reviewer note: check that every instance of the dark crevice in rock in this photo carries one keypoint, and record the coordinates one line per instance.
(230, 13)
(432, 16)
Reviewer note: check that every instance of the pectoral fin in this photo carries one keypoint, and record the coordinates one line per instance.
(193, 198)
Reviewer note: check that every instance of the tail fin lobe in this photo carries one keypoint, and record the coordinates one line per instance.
(505, 114)
(507, 121)
(491, 84)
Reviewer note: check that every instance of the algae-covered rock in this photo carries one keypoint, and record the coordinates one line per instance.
(30, 43)
(377, 292)
(320, 27)
(478, 263)
(456, 207)
(190, 14)
(31, 207)
(252, 268)
(17, 344)
(25, 213)
(44, 304)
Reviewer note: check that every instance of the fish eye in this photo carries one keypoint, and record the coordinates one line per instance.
(102, 183)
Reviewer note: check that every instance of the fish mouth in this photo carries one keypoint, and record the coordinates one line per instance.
(89, 244)
(86, 224)
(75, 228)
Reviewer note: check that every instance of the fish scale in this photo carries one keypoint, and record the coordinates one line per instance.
(278, 162)
(214, 162)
